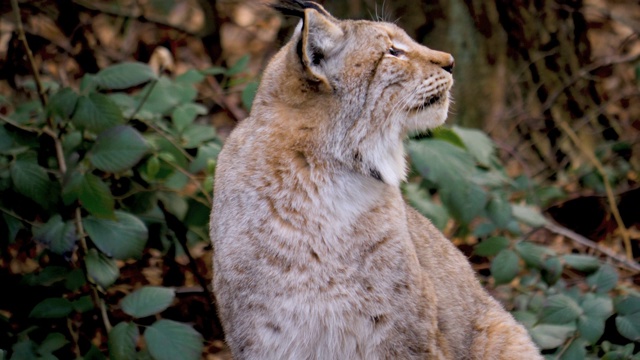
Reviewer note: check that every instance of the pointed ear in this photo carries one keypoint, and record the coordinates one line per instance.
(321, 36)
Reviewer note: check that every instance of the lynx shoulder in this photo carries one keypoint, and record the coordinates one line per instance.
(316, 254)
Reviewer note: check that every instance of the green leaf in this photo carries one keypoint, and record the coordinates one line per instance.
(465, 203)
(499, 211)
(147, 301)
(93, 354)
(505, 266)
(58, 235)
(165, 95)
(239, 66)
(628, 319)
(604, 280)
(528, 215)
(122, 238)
(526, 318)
(576, 351)
(13, 227)
(83, 304)
(491, 246)
(122, 341)
(196, 134)
(75, 279)
(586, 263)
(597, 305)
(421, 201)
(549, 336)
(32, 181)
(63, 103)
(185, 114)
(447, 135)
(440, 161)
(118, 149)
(532, 254)
(153, 166)
(24, 350)
(95, 196)
(100, 269)
(206, 153)
(215, 70)
(71, 141)
(191, 76)
(87, 84)
(49, 275)
(628, 305)
(6, 141)
(97, 112)
(478, 144)
(124, 75)
(170, 340)
(629, 326)
(248, 94)
(560, 309)
(591, 328)
(53, 342)
(52, 308)
(552, 270)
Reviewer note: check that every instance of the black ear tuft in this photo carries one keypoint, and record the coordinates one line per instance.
(296, 7)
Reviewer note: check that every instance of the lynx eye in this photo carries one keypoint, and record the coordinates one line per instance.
(395, 52)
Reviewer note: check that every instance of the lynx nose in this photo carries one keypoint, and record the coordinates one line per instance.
(449, 66)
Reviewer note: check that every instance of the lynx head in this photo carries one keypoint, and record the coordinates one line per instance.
(358, 86)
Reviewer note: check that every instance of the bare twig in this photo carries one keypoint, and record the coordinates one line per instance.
(75, 337)
(144, 99)
(189, 175)
(97, 300)
(20, 126)
(32, 61)
(62, 163)
(629, 264)
(235, 111)
(18, 217)
(169, 139)
(137, 14)
(180, 233)
(605, 179)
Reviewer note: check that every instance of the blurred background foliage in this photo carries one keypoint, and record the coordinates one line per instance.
(109, 131)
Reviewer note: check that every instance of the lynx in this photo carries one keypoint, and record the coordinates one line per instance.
(316, 254)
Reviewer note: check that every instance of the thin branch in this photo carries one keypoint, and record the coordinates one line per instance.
(605, 179)
(235, 111)
(169, 139)
(195, 180)
(144, 99)
(137, 14)
(180, 233)
(32, 61)
(75, 337)
(557, 229)
(62, 164)
(97, 300)
(20, 126)
(18, 217)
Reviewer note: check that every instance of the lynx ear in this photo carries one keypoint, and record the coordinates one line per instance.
(321, 37)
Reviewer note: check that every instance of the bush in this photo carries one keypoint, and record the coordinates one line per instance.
(98, 177)
(574, 305)
(120, 167)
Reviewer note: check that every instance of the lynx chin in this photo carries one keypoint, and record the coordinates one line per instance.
(316, 254)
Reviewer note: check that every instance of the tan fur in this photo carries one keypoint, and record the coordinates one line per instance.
(317, 256)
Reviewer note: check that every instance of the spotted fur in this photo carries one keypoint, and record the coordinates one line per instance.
(316, 254)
